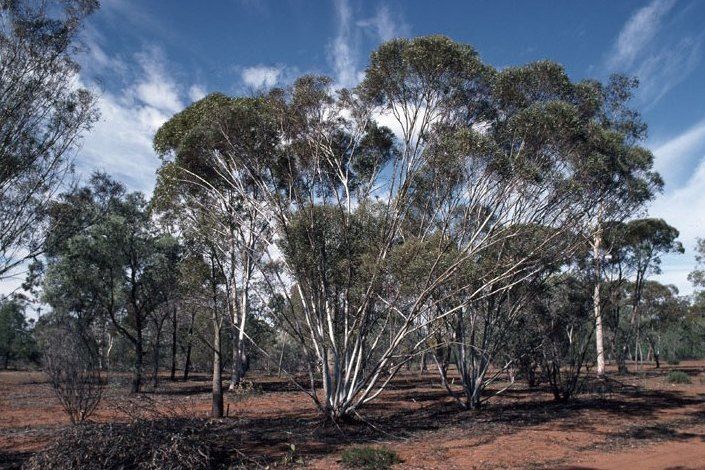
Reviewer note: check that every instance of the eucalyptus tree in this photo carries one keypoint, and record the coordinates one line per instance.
(75, 281)
(195, 285)
(481, 335)
(196, 178)
(561, 318)
(662, 311)
(463, 174)
(697, 276)
(623, 178)
(538, 127)
(477, 160)
(43, 114)
(636, 248)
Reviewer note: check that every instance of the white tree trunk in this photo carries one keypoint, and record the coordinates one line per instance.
(599, 339)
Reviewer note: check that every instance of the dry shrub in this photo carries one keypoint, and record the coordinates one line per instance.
(143, 407)
(161, 444)
(72, 367)
(243, 391)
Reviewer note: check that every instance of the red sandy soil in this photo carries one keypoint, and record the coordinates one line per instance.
(640, 422)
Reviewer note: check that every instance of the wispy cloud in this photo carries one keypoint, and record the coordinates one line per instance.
(684, 207)
(665, 68)
(155, 88)
(196, 92)
(386, 25)
(676, 157)
(652, 47)
(681, 161)
(638, 32)
(344, 49)
(656, 45)
(261, 76)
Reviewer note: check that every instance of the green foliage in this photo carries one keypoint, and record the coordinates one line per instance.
(371, 458)
(697, 277)
(291, 457)
(678, 377)
(16, 340)
(683, 338)
(406, 70)
(328, 246)
(557, 332)
(107, 262)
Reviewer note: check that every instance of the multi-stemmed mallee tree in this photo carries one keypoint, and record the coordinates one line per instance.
(376, 235)
(567, 154)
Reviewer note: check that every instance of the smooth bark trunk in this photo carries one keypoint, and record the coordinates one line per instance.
(217, 380)
(599, 339)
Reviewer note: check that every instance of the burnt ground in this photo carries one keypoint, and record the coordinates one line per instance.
(631, 421)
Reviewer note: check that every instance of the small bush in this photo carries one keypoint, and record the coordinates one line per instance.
(678, 377)
(369, 458)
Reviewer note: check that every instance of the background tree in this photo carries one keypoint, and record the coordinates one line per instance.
(621, 176)
(635, 250)
(697, 277)
(16, 339)
(107, 261)
(662, 313)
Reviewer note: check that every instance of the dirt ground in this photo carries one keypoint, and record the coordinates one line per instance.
(640, 421)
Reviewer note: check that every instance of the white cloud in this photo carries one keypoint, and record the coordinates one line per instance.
(638, 32)
(684, 207)
(666, 67)
(12, 285)
(653, 47)
(677, 156)
(261, 76)
(385, 25)
(674, 271)
(683, 203)
(343, 50)
(196, 92)
(156, 89)
(121, 142)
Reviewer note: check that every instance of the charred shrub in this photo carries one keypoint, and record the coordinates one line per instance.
(161, 444)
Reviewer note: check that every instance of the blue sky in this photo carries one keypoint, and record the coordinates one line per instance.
(149, 59)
